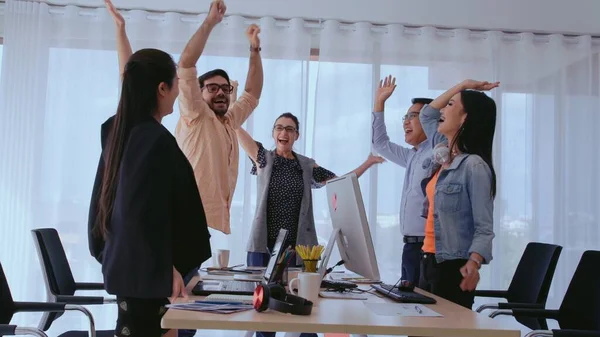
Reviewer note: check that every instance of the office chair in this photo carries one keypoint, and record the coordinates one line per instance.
(530, 284)
(579, 312)
(8, 308)
(58, 278)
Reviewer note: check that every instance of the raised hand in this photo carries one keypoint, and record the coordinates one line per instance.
(385, 89)
(233, 95)
(216, 12)
(479, 85)
(119, 20)
(252, 34)
(373, 159)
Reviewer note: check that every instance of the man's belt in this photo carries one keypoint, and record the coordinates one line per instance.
(414, 239)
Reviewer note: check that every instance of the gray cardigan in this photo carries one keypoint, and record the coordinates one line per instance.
(306, 223)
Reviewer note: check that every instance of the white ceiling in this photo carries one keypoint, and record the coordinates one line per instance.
(553, 16)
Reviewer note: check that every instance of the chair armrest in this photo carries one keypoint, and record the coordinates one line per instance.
(82, 300)
(513, 305)
(7, 330)
(13, 330)
(491, 293)
(39, 307)
(575, 333)
(487, 306)
(89, 286)
(536, 313)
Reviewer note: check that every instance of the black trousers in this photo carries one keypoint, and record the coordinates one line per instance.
(443, 279)
(411, 262)
(140, 317)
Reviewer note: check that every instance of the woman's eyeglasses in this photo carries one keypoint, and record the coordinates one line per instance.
(213, 87)
(280, 128)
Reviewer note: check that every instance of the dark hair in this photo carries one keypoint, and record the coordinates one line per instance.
(476, 134)
(290, 116)
(143, 73)
(421, 100)
(213, 73)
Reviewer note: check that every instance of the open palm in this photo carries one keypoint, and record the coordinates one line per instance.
(480, 85)
(386, 88)
(119, 20)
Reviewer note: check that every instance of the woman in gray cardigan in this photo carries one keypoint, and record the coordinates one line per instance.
(284, 198)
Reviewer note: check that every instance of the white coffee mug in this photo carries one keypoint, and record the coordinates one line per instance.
(222, 258)
(308, 287)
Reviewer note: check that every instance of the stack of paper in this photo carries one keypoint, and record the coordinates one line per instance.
(212, 307)
(401, 309)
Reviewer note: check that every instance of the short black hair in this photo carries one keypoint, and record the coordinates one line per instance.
(421, 100)
(213, 73)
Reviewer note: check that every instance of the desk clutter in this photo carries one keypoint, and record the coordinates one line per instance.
(215, 307)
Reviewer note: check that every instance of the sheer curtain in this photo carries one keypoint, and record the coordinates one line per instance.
(544, 152)
(60, 82)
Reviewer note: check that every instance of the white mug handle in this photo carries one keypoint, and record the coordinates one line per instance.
(292, 288)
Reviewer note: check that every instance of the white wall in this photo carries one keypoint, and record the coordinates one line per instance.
(554, 16)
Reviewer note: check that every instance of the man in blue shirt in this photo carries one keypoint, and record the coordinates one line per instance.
(417, 161)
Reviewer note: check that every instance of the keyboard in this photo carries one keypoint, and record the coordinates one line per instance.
(337, 285)
(208, 287)
(246, 299)
(402, 296)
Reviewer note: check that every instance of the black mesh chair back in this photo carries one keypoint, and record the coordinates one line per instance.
(54, 261)
(580, 308)
(7, 305)
(535, 271)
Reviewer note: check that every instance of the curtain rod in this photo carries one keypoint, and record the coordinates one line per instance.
(318, 23)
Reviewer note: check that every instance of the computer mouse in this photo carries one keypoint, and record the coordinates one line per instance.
(406, 286)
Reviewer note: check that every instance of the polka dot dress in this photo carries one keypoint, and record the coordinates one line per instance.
(285, 192)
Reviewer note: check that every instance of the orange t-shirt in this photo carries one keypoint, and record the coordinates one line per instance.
(429, 242)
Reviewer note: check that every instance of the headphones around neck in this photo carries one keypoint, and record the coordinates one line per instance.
(274, 297)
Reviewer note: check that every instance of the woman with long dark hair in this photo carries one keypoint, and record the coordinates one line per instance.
(146, 224)
(461, 191)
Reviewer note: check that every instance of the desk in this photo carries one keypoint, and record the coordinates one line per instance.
(350, 317)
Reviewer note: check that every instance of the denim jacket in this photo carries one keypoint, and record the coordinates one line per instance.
(463, 206)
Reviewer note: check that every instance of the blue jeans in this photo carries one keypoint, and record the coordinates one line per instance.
(254, 259)
(411, 262)
(186, 279)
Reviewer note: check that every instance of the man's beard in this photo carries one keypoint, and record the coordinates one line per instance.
(220, 101)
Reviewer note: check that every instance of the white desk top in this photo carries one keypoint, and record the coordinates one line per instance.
(348, 316)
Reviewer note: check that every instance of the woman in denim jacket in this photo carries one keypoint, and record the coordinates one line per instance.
(461, 191)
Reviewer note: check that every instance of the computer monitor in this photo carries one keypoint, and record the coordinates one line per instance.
(349, 217)
(276, 257)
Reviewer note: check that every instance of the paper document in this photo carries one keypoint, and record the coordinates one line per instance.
(401, 309)
(212, 307)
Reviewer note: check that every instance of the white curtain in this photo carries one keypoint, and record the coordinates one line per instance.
(545, 155)
(60, 83)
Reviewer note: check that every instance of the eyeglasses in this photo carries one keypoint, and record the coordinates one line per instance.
(214, 87)
(280, 128)
(409, 116)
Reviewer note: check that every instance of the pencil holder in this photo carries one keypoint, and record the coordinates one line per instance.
(310, 266)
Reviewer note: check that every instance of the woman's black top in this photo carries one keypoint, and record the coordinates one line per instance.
(157, 220)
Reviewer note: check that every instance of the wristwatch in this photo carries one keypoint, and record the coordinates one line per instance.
(255, 49)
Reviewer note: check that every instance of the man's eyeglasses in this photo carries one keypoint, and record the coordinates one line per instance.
(409, 116)
(213, 87)
(289, 129)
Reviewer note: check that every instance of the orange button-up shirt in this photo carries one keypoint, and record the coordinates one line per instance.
(211, 146)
